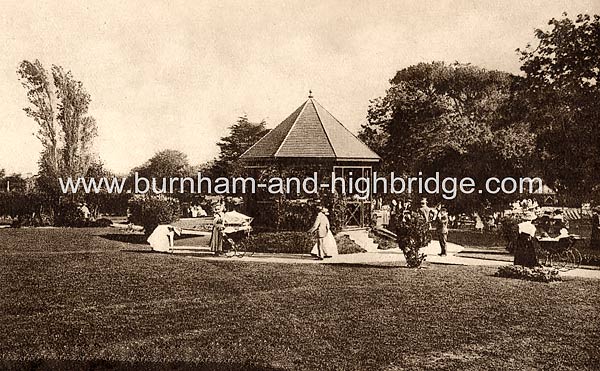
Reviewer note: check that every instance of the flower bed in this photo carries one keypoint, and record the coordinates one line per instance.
(538, 274)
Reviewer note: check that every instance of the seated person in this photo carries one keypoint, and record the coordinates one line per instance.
(200, 211)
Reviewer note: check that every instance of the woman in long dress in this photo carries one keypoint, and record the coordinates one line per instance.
(478, 223)
(329, 244)
(216, 238)
(162, 238)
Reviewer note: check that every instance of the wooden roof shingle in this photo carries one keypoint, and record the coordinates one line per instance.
(310, 132)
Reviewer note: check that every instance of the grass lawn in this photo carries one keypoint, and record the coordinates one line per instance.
(71, 295)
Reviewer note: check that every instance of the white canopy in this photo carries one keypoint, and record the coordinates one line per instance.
(235, 218)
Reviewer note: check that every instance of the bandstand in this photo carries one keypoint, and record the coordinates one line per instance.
(312, 138)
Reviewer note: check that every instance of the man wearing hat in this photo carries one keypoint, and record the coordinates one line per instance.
(321, 227)
(426, 212)
(441, 221)
(595, 236)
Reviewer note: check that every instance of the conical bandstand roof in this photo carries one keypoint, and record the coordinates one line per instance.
(310, 132)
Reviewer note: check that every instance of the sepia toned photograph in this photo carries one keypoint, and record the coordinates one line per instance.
(294, 185)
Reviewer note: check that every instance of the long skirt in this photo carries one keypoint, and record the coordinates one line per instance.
(329, 247)
(216, 240)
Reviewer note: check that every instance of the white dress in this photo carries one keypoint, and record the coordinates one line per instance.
(161, 238)
(330, 246)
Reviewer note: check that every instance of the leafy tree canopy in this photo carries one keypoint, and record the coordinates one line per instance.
(433, 108)
(59, 106)
(562, 71)
(459, 120)
(242, 135)
(165, 164)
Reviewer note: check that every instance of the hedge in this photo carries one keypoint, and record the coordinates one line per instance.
(293, 243)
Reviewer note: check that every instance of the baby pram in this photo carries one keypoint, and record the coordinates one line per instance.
(237, 228)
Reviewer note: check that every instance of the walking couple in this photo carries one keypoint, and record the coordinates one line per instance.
(326, 247)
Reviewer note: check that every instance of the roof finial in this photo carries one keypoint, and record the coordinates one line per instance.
(310, 94)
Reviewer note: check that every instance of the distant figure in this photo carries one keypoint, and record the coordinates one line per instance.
(200, 211)
(441, 220)
(321, 227)
(85, 211)
(425, 210)
(216, 238)
(386, 212)
(452, 220)
(595, 235)
(396, 208)
(478, 223)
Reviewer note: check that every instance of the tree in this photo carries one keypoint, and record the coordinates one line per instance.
(3, 186)
(14, 183)
(78, 129)
(562, 74)
(59, 105)
(41, 95)
(242, 135)
(168, 163)
(432, 107)
(459, 120)
(104, 202)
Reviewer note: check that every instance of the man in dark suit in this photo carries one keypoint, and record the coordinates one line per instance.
(595, 236)
(441, 223)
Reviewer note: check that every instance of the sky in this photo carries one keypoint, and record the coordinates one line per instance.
(177, 74)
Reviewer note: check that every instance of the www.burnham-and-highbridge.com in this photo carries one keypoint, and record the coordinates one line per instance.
(362, 187)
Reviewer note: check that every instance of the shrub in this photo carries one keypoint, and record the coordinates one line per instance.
(412, 233)
(108, 203)
(338, 209)
(345, 245)
(294, 243)
(17, 204)
(279, 242)
(287, 215)
(69, 215)
(294, 216)
(538, 274)
(297, 215)
(589, 255)
(151, 211)
(383, 243)
(33, 220)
